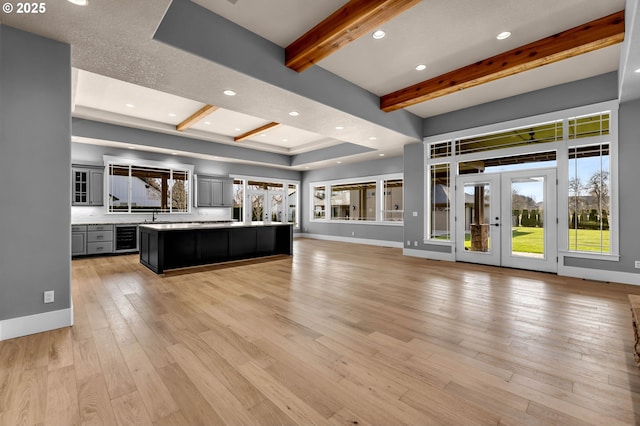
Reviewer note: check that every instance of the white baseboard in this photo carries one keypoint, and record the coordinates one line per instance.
(31, 324)
(433, 255)
(381, 243)
(599, 275)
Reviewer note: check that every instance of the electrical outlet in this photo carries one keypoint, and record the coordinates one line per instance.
(409, 242)
(415, 244)
(48, 296)
(415, 214)
(353, 233)
(638, 264)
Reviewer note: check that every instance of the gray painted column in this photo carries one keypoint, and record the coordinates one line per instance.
(35, 152)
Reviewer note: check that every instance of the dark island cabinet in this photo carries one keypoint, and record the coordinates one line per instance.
(164, 247)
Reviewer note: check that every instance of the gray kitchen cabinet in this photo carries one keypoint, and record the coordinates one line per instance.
(87, 185)
(78, 240)
(99, 239)
(214, 191)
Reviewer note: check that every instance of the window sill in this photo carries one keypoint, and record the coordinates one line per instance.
(592, 256)
(438, 242)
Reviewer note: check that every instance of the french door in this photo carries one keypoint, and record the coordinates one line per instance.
(508, 219)
(266, 205)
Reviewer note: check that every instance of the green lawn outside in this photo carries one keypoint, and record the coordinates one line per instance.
(530, 240)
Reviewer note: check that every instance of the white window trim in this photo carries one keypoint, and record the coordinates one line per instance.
(378, 179)
(561, 148)
(141, 162)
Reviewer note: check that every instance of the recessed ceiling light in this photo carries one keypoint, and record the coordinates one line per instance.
(129, 105)
(79, 2)
(380, 155)
(372, 138)
(307, 167)
(174, 153)
(131, 147)
(171, 114)
(378, 34)
(339, 127)
(338, 162)
(294, 113)
(207, 122)
(229, 93)
(237, 129)
(263, 134)
(421, 67)
(285, 140)
(638, 70)
(503, 35)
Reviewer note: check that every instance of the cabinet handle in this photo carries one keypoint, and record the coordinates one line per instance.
(99, 236)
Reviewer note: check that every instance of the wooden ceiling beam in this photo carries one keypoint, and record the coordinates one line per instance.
(585, 38)
(254, 132)
(351, 21)
(197, 116)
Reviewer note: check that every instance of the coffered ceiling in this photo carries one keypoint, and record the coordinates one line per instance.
(166, 60)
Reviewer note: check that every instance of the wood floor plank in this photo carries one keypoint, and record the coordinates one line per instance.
(129, 410)
(218, 396)
(62, 397)
(282, 397)
(157, 399)
(192, 404)
(116, 374)
(338, 333)
(94, 402)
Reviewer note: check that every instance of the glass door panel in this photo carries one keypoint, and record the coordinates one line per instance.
(258, 208)
(527, 217)
(530, 201)
(276, 211)
(478, 218)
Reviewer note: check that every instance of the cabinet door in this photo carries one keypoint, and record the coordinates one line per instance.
(205, 192)
(216, 187)
(96, 188)
(78, 243)
(80, 188)
(227, 193)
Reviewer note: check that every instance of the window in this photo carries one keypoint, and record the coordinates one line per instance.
(319, 207)
(238, 200)
(262, 199)
(589, 196)
(440, 205)
(138, 188)
(392, 201)
(292, 203)
(353, 201)
(581, 144)
(377, 199)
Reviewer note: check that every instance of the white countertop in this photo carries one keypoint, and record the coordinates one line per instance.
(188, 225)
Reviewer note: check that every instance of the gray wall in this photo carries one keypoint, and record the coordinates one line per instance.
(360, 230)
(35, 175)
(578, 93)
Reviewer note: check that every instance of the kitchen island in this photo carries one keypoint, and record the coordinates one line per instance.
(179, 245)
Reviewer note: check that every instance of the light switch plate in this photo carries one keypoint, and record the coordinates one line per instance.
(48, 296)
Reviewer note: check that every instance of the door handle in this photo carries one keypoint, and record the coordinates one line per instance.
(494, 224)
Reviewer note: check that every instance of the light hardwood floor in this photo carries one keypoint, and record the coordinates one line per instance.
(337, 334)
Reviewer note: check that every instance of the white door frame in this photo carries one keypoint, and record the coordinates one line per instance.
(499, 215)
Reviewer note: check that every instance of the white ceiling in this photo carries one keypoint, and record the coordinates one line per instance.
(118, 62)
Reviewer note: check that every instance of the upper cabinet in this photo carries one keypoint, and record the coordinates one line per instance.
(214, 191)
(87, 186)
